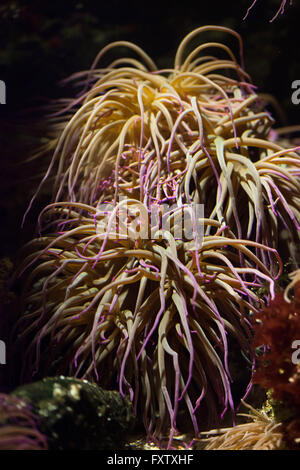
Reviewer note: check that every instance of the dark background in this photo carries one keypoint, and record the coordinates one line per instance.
(42, 42)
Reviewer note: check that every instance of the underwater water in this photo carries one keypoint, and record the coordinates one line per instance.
(41, 45)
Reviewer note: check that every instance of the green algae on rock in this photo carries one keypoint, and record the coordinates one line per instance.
(76, 414)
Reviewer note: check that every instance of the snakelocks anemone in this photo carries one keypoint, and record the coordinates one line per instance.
(113, 288)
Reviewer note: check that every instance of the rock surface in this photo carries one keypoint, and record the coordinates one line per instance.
(76, 414)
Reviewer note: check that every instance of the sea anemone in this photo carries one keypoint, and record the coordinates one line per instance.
(276, 332)
(152, 312)
(18, 426)
(150, 316)
(259, 433)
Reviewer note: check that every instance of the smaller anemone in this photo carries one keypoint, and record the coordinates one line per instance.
(276, 328)
(18, 426)
(260, 433)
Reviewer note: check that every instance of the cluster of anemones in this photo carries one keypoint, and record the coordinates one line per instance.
(153, 313)
(280, 10)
